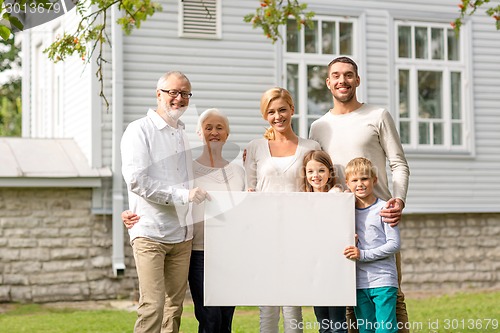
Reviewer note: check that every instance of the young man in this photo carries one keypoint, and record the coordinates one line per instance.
(157, 167)
(353, 129)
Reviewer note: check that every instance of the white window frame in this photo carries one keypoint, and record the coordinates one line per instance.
(303, 60)
(446, 67)
(215, 5)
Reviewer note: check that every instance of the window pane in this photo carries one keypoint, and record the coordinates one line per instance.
(456, 95)
(318, 98)
(295, 124)
(345, 38)
(292, 81)
(404, 93)
(329, 38)
(430, 94)
(438, 133)
(456, 134)
(421, 43)
(311, 37)
(437, 43)
(404, 41)
(404, 131)
(423, 133)
(453, 46)
(292, 37)
(431, 102)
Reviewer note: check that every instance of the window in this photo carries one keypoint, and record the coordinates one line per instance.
(307, 53)
(200, 18)
(431, 79)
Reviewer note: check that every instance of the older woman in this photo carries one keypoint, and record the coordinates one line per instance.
(211, 172)
(273, 164)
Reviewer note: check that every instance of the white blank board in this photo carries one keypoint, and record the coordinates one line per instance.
(279, 249)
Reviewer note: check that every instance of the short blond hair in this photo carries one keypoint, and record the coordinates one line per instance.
(360, 165)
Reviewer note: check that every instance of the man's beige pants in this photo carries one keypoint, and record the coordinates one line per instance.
(162, 270)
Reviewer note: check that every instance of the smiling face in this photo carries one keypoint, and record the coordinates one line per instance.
(279, 114)
(214, 129)
(362, 184)
(173, 107)
(317, 175)
(342, 81)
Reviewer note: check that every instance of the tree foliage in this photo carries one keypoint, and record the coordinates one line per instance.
(10, 91)
(9, 55)
(469, 7)
(91, 30)
(271, 14)
(10, 108)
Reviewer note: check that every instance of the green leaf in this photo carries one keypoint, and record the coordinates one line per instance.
(4, 32)
(16, 23)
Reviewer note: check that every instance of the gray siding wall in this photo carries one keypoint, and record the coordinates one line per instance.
(229, 73)
(441, 182)
(232, 72)
(468, 183)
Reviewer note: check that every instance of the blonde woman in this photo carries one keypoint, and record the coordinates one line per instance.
(274, 164)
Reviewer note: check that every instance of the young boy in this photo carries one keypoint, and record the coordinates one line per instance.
(376, 245)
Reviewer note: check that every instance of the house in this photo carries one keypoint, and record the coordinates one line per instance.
(442, 90)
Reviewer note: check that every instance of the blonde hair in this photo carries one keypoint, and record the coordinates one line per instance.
(323, 158)
(266, 99)
(212, 112)
(360, 165)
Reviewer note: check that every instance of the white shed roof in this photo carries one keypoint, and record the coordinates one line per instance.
(27, 162)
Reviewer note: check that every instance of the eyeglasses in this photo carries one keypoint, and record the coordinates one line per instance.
(175, 93)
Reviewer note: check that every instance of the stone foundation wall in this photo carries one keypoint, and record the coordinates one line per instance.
(52, 248)
(450, 251)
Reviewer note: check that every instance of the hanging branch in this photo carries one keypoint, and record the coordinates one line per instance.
(275, 13)
(90, 37)
(469, 7)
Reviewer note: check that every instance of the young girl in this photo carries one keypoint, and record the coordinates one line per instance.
(319, 176)
(319, 173)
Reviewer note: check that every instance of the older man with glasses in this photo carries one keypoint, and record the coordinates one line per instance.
(157, 167)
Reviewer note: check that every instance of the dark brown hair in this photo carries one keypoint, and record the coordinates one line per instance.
(345, 60)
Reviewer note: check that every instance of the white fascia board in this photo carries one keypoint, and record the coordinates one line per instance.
(50, 182)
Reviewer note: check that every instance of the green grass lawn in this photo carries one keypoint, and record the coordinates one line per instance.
(464, 312)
